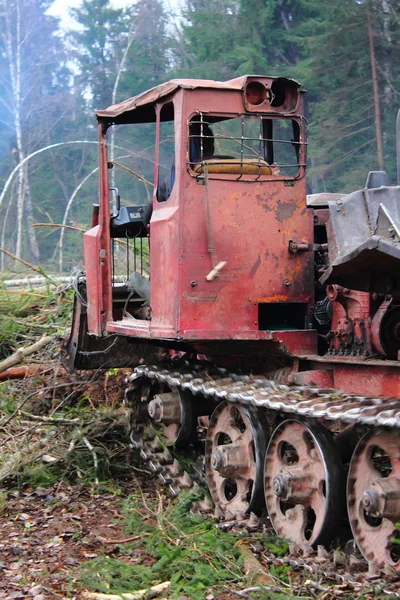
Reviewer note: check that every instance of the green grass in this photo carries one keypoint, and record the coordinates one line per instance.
(184, 549)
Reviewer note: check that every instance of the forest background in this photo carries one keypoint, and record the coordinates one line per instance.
(346, 53)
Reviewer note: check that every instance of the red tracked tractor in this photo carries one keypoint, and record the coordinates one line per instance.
(260, 320)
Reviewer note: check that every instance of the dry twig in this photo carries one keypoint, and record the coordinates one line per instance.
(21, 353)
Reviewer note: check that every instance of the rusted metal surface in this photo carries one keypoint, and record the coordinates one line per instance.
(259, 391)
(303, 483)
(164, 90)
(251, 223)
(317, 377)
(232, 459)
(363, 235)
(374, 497)
(350, 329)
(165, 409)
(97, 253)
(321, 200)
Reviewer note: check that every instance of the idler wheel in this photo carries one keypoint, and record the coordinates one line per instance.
(373, 497)
(234, 458)
(171, 411)
(304, 483)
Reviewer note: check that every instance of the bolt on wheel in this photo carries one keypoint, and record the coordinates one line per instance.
(373, 497)
(234, 457)
(304, 483)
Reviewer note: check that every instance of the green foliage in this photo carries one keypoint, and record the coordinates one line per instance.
(8, 398)
(39, 475)
(277, 546)
(184, 549)
(36, 310)
(336, 67)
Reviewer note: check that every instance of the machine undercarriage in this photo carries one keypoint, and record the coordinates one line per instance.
(291, 450)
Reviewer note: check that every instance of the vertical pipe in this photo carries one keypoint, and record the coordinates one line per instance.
(398, 146)
(134, 254)
(127, 259)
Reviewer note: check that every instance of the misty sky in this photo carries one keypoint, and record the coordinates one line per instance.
(60, 8)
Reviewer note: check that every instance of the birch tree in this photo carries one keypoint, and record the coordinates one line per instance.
(30, 59)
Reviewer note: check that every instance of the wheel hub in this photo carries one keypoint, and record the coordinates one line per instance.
(231, 460)
(235, 450)
(370, 502)
(166, 408)
(382, 499)
(303, 483)
(171, 411)
(282, 486)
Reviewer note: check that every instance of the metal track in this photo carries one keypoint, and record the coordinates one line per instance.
(260, 391)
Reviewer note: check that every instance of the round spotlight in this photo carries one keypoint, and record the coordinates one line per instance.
(256, 93)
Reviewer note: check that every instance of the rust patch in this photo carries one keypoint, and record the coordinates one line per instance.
(264, 201)
(267, 299)
(285, 210)
(254, 268)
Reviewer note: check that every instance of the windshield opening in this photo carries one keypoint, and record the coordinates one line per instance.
(246, 146)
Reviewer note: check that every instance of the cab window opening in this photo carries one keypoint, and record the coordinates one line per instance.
(166, 153)
(131, 160)
(244, 145)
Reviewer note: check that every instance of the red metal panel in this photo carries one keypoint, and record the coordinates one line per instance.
(97, 254)
(317, 378)
(251, 224)
(368, 380)
(91, 246)
(165, 228)
(166, 89)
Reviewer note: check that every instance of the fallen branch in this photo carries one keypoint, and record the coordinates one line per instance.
(149, 593)
(25, 456)
(25, 263)
(133, 538)
(21, 353)
(52, 420)
(252, 567)
(94, 456)
(24, 372)
(59, 225)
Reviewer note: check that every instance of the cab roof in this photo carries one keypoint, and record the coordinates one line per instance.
(140, 107)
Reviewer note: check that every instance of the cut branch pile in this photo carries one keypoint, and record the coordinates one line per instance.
(53, 420)
(50, 419)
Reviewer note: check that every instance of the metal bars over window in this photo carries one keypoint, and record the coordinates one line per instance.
(249, 147)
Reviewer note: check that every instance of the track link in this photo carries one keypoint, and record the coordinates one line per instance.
(259, 391)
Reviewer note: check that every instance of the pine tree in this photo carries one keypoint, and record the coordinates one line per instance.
(99, 47)
(345, 52)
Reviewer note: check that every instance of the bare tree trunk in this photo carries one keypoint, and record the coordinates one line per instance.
(5, 230)
(25, 160)
(33, 243)
(13, 53)
(378, 126)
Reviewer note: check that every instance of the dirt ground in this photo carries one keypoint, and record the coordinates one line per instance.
(45, 533)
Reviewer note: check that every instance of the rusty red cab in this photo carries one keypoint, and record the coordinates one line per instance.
(219, 262)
